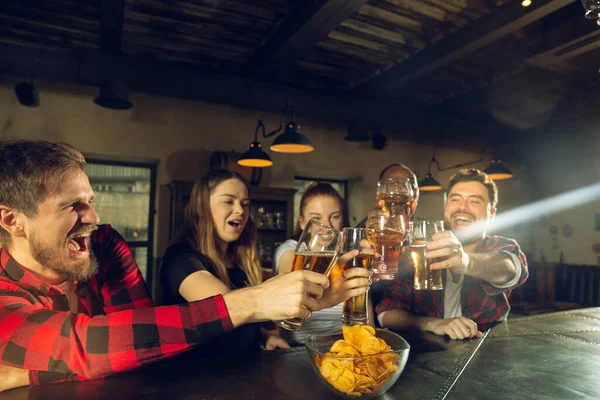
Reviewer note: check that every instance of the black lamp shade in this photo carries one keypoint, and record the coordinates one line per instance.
(429, 184)
(255, 157)
(113, 95)
(497, 171)
(27, 94)
(292, 141)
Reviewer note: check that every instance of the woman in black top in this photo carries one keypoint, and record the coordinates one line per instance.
(215, 253)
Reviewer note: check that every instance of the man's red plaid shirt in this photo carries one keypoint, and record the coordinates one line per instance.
(116, 327)
(481, 301)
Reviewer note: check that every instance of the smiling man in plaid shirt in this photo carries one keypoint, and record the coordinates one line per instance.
(73, 304)
(481, 270)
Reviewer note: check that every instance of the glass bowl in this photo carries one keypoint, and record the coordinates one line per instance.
(390, 364)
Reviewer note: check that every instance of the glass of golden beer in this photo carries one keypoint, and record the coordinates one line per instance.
(355, 309)
(317, 251)
(387, 232)
(425, 278)
(399, 196)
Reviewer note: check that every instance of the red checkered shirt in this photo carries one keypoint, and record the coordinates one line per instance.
(481, 301)
(116, 327)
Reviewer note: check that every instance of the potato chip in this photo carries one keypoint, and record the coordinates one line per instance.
(340, 345)
(358, 376)
(370, 346)
(344, 382)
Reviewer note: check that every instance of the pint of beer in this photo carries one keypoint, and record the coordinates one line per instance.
(355, 309)
(387, 233)
(425, 278)
(316, 251)
(398, 196)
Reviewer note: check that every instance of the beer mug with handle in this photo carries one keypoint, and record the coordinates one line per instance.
(317, 250)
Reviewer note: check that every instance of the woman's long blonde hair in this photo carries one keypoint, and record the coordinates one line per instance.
(199, 231)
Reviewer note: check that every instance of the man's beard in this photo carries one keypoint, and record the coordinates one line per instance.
(53, 258)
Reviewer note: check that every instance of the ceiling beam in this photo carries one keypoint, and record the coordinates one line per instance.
(111, 26)
(535, 68)
(299, 34)
(189, 83)
(484, 31)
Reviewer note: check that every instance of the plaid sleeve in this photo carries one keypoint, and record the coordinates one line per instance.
(121, 285)
(38, 339)
(509, 246)
(398, 295)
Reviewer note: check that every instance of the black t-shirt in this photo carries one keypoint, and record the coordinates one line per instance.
(180, 261)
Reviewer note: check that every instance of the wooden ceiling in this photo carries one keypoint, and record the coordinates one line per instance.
(408, 64)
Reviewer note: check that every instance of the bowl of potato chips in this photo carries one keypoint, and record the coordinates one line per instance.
(361, 362)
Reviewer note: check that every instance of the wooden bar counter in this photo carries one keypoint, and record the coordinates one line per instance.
(548, 356)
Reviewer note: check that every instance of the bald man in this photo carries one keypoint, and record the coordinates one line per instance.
(391, 171)
(396, 171)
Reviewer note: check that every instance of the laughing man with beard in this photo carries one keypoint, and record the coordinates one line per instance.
(73, 303)
(481, 270)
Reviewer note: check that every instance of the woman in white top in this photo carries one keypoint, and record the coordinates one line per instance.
(323, 203)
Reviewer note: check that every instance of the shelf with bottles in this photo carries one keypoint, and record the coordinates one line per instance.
(266, 250)
(270, 216)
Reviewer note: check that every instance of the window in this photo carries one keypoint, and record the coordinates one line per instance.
(125, 199)
(301, 183)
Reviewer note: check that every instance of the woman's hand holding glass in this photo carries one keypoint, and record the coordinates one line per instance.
(345, 284)
(387, 232)
(355, 241)
(316, 251)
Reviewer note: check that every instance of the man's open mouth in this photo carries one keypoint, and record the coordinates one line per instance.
(463, 218)
(79, 242)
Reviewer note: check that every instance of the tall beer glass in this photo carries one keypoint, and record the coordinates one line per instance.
(317, 251)
(355, 310)
(398, 196)
(387, 233)
(425, 278)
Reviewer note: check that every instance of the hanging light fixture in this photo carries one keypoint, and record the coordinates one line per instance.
(255, 156)
(592, 9)
(291, 140)
(429, 183)
(27, 94)
(495, 171)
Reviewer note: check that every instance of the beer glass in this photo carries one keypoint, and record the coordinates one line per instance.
(387, 232)
(425, 278)
(355, 310)
(317, 251)
(398, 196)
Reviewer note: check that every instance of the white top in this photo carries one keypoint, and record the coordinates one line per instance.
(452, 306)
(321, 322)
